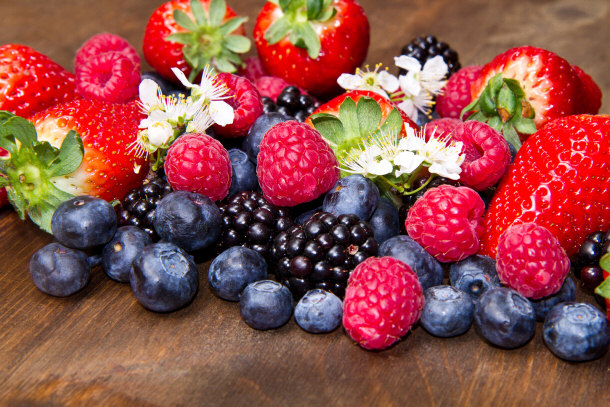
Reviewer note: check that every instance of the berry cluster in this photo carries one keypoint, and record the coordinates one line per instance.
(291, 102)
(425, 47)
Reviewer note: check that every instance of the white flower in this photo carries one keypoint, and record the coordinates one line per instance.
(200, 122)
(379, 82)
(411, 104)
(367, 160)
(222, 113)
(150, 94)
(429, 77)
(158, 133)
(408, 162)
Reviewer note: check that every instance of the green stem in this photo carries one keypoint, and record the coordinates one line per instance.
(391, 184)
(420, 188)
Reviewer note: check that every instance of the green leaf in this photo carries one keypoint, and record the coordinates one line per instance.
(46, 153)
(488, 105)
(495, 84)
(329, 127)
(393, 122)
(184, 21)
(495, 123)
(237, 43)
(70, 155)
(311, 41)
(231, 57)
(199, 13)
(523, 125)
(181, 38)
(349, 117)
(314, 7)
(327, 14)
(515, 87)
(217, 11)
(278, 30)
(511, 136)
(507, 101)
(604, 262)
(4, 181)
(284, 5)
(22, 129)
(17, 201)
(231, 25)
(222, 65)
(478, 116)
(369, 115)
(471, 107)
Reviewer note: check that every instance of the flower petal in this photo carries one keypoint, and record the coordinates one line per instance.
(409, 84)
(409, 63)
(434, 68)
(222, 113)
(388, 81)
(382, 167)
(349, 82)
(149, 93)
(408, 107)
(182, 78)
(159, 132)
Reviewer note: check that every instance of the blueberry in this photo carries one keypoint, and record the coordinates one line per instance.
(304, 217)
(474, 275)
(59, 270)
(232, 270)
(164, 277)
(255, 135)
(265, 304)
(84, 222)
(505, 318)
(353, 194)
(385, 221)
(447, 311)
(576, 331)
(543, 305)
(120, 252)
(318, 311)
(244, 172)
(429, 271)
(187, 219)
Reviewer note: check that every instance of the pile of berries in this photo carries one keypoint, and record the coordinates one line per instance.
(291, 102)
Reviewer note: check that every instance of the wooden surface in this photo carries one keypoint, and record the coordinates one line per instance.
(100, 347)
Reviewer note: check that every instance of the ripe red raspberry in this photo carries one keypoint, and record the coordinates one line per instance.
(246, 103)
(456, 93)
(197, 163)
(272, 86)
(447, 221)
(441, 128)
(382, 301)
(589, 98)
(109, 77)
(102, 43)
(295, 164)
(531, 261)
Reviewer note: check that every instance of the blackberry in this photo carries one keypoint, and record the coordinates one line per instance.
(137, 208)
(290, 102)
(423, 48)
(585, 262)
(250, 221)
(322, 252)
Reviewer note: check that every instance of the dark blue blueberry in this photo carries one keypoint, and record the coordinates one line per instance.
(255, 135)
(505, 318)
(513, 152)
(244, 172)
(187, 219)
(265, 304)
(543, 305)
(121, 251)
(353, 194)
(429, 271)
(59, 270)
(474, 275)
(232, 270)
(164, 277)
(447, 311)
(304, 217)
(319, 311)
(423, 118)
(84, 222)
(165, 85)
(576, 331)
(385, 221)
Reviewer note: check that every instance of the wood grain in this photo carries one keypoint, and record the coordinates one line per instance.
(100, 347)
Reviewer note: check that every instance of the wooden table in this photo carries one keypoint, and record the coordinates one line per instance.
(100, 347)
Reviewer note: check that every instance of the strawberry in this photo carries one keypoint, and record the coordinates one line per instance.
(188, 34)
(559, 180)
(589, 98)
(310, 43)
(50, 163)
(31, 82)
(521, 90)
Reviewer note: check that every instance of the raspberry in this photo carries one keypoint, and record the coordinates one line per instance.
(197, 163)
(456, 93)
(382, 301)
(531, 261)
(441, 128)
(246, 102)
(253, 69)
(102, 43)
(109, 77)
(448, 222)
(589, 98)
(295, 164)
(272, 87)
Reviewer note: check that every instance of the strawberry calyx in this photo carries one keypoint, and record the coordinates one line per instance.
(297, 22)
(604, 288)
(504, 106)
(30, 168)
(209, 40)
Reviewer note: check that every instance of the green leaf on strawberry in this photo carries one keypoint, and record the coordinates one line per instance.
(604, 288)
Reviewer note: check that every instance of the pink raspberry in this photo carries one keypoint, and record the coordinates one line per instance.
(383, 300)
(246, 103)
(272, 86)
(447, 221)
(295, 164)
(456, 93)
(531, 261)
(102, 43)
(198, 163)
(253, 69)
(441, 128)
(109, 77)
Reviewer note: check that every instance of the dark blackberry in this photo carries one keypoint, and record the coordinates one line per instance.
(423, 48)
(250, 221)
(137, 208)
(322, 252)
(268, 105)
(585, 262)
(292, 102)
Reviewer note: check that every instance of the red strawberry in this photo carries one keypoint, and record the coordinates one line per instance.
(589, 98)
(31, 82)
(188, 34)
(311, 43)
(58, 164)
(559, 180)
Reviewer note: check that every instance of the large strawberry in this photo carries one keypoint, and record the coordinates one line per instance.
(188, 34)
(522, 89)
(559, 180)
(310, 43)
(31, 82)
(50, 163)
